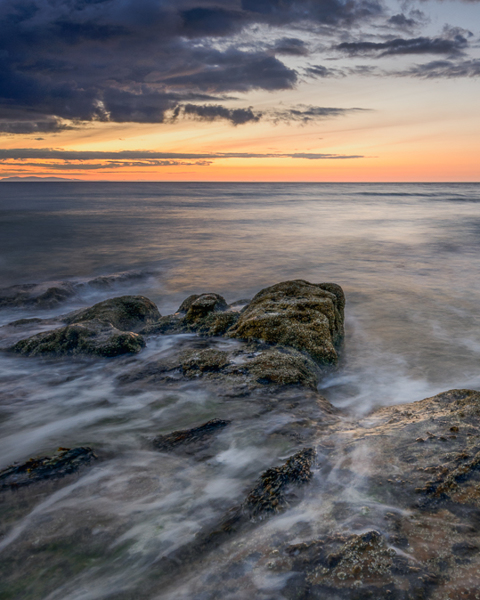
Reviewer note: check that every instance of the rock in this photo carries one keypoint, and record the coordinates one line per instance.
(64, 462)
(169, 324)
(203, 314)
(417, 505)
(198, 306)
(78, 338)
(280, 366)
(305, 316)
(269, 495)
(105, 329)
(26, 322)
(126, 313)
(216, 323)
(190, 441)
(194, 362)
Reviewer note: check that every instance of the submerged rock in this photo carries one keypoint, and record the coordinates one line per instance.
(34, 295)
(299, 314)
(64, 462)
(190, 440)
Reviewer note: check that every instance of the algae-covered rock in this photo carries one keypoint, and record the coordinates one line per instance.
(126, 313)
(81, 338)
(64, 462)
(305, 316)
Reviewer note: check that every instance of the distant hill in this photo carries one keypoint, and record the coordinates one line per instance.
(33, 178)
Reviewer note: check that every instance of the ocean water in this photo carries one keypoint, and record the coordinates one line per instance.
(406, 255)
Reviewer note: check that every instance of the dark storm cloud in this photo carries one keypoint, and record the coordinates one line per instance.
(238, 71)
(136, 60)
(420, 45)
(329, 12)
(20, 154)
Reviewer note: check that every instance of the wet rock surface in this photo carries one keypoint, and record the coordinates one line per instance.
(65, 462)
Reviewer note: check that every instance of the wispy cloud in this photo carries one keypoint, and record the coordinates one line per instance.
(71, 160)
(397, 46)
(447, 69)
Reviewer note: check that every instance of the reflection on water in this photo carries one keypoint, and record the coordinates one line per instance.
(408, 258)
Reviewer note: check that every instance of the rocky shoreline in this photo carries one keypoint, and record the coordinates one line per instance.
(399, 489)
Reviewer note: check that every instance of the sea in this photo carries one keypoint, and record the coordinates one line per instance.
(407, 256)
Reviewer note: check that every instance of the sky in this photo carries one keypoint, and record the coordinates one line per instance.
(240, 90)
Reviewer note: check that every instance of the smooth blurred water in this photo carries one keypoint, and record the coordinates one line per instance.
(407, 256)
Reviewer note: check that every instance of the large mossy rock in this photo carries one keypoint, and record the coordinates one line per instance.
(126, 313)
(105, 329)
(299, 314)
